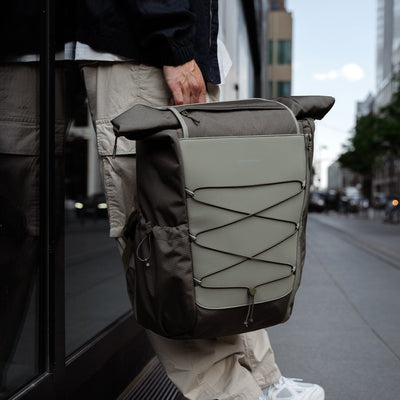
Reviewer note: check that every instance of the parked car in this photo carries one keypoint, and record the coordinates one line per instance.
(93, 206)
(357, 203)
(380, 200)
(352, 201)
(316, 202)
(332, 199)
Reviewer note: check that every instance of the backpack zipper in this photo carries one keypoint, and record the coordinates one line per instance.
(211, 107)
(186, 114)
(205, 107)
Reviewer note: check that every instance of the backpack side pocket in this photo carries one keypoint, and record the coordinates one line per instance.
(160, 278)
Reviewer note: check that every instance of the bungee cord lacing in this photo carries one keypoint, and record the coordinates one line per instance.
(251, 291)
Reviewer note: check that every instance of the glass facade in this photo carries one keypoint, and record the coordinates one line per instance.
(380, 40)
(385, 42)
(396, 35)
(388, 50)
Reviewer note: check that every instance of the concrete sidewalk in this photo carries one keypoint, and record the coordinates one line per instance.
(367, 230)
(344, 331)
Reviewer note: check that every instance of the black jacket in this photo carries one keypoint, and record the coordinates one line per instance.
(21, 26)
(154, 32)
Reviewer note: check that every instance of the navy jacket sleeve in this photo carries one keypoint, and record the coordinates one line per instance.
(166, 30)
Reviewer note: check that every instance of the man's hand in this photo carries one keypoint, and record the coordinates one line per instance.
(186, 83)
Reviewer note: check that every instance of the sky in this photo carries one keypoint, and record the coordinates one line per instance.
(334, 53)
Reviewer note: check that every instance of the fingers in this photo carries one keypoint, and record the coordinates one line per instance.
(186, 83)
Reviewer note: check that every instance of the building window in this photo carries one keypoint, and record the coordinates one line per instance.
(271, 89)
(275, 5)
(284, 52)
(270, 52)
(283, 89)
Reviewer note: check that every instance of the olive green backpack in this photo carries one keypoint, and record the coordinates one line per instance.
(216, 245)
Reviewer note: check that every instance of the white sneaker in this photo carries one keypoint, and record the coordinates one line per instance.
(293, 389)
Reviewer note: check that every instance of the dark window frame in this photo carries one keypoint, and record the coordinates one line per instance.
(122, 346)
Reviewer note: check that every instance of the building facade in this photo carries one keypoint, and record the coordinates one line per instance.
(243, 30)
(340, 178)
(387, 51)
(279, 49)
(366, 106)
(387, 178)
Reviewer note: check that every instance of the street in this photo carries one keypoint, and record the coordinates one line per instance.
(344, 331)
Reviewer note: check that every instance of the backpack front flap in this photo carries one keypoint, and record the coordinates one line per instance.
(222, 201)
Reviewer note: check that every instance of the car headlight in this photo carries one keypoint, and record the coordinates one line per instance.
(78, 205)
(102, 206)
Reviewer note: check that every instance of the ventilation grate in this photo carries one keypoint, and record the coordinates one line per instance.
(154, 385)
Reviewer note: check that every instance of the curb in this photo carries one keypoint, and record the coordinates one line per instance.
(379, 252)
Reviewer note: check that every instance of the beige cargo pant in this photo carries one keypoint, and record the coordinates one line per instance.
(226, 368)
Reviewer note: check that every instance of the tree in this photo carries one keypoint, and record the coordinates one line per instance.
(364, 150)
(375, 136)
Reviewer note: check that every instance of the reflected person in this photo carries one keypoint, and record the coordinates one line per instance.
(20, 158)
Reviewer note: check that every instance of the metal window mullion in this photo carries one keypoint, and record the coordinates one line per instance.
(51, 344)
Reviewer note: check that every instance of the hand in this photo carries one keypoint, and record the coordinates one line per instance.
(186, 83)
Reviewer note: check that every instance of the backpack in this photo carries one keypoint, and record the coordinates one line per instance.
(216, 245)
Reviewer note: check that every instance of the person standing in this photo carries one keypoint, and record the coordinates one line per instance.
(161, 53)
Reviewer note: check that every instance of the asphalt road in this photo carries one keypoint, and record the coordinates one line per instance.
(345, 329)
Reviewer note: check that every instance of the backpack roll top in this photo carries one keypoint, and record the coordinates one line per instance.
(218, 236)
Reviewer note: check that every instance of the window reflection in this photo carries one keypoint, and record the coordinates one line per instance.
(95, 286)
(94, 278)
(19, 222)
(23, 290)
(19, 193)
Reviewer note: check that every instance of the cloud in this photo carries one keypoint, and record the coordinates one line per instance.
(350, 72)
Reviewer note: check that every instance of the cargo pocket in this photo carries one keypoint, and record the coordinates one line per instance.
(160, 271)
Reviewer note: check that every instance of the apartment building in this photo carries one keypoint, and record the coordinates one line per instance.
(387, 178)
(279, 49)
